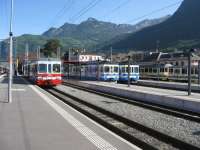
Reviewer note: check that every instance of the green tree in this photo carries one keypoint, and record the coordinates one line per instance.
(51, 47)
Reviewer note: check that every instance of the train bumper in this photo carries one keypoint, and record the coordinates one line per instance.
(48, 82)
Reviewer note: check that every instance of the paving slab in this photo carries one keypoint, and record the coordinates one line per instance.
(36, 120)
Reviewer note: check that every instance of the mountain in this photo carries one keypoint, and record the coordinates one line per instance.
(137, 27)
(98, 31)
(179, 31)
(89, 34)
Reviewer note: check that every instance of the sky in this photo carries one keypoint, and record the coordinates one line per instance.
(37, 16)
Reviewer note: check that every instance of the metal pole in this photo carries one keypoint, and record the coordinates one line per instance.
(27, 59)
(10, 56)
(199, 72)
(68, 62)
(158, 69)
(189, 73)
(111, 54)
(39, 52)
(80, 69)
(129, 71)
(98, 69)
(58, 52)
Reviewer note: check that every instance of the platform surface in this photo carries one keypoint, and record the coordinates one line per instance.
(169, 83)
(36, 120)
(149, 90)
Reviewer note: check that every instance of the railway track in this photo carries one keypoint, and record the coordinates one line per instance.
(138, 134)
(191, 116)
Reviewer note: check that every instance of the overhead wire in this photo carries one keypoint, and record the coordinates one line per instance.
(86, 9)
(83, 9)
(117, 8)
(154, 11)
(61, 12)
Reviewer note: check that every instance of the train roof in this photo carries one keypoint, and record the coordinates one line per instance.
(48, 59)
(99, 62)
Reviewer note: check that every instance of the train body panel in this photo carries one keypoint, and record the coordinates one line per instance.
(104, 72)
(109, 72)
(123, 73)
(169, 72)
(45, 72)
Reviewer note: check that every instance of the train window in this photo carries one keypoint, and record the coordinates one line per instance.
(42, 68)
(101, 69)
(49, 68)
(116, 69)
(35, 66)
(154, 70)
(150, 70)
(196, 70)
(127, 69)
(166, 70)
(184, 71)
(123, 70)
(111, 69)
(95, 69)
(146, 70)
(136, 70)
(177, 71)
(56, 68)
(192, 71)
(141, 70)
(107, 69)
(171, 70)
(132, 69)
(161, 69)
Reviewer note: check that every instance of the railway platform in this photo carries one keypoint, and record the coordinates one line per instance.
(169, 85)
(172, 98)
(39, 121)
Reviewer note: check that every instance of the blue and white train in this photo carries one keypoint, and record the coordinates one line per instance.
(105, 72)
(123, 73)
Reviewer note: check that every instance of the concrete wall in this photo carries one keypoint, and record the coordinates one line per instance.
(179, 103)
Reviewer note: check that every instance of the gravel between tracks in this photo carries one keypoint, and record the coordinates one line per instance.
(180, 128)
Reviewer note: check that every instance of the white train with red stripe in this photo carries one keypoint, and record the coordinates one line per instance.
(44, 72)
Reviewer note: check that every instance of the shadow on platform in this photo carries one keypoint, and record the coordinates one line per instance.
(6, 101)
(16, 80)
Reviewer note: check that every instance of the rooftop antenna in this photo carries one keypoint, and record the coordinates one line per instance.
(157, 46)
